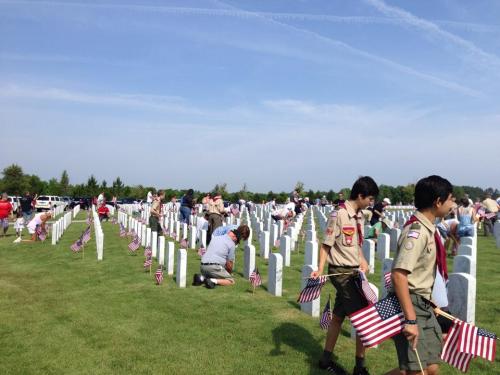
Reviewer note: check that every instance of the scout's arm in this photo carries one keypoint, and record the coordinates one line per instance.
(363, 264)
(400, 283)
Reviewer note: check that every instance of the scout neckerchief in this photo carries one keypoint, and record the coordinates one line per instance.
(358, 225)
(440, 253)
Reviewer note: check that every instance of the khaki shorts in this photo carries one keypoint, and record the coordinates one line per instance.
(429, 338)
(349, 298)
(215, 271)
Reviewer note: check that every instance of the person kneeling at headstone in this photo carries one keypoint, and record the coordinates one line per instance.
(217, 263)
(103, 212)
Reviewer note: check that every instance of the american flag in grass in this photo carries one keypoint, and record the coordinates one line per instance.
(327, 316)
(255, 278)
(134, 245)
(159, 275)
(312, 290)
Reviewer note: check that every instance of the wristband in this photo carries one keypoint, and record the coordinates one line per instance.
(410, 322)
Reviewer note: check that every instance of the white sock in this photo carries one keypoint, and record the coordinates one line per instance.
(202, 278)
(214, 281)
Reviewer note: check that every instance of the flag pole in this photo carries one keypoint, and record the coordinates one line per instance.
(419, 363)
(331, 274)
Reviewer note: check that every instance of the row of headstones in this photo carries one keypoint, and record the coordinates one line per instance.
(60, 226)
(162, 250)
(58, 210)
(99, 235)
(76, 210)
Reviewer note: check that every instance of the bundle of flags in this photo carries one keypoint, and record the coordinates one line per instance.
(387, 281)
(255, 278)
(378, 322)
(123, 233)
(464, 342)
(368, 292)
(134, 245)
(159, 275)
(312, 290)
(41, 233)
(77, 245)
(327, 315)
(86, 235)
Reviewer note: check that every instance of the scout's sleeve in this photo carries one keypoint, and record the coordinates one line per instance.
(410, 248)
(331, 229)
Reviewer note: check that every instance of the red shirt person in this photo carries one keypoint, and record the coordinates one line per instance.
(103, 212)
(5, 210)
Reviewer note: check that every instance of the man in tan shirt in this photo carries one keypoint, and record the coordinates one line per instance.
(155, 213)
(342, 248)
(216, 213)
(491, 206)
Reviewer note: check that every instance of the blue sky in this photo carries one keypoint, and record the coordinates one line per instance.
(193, 93)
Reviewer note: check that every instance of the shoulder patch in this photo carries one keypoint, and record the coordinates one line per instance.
(409, 245)
(415, 226)
(413, 234)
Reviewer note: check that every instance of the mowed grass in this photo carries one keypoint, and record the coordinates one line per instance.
(64, 314)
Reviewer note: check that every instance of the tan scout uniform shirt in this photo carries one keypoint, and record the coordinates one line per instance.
(216, 207)
(417, 255)
(156, 207)
(342, 235)
(490, 205)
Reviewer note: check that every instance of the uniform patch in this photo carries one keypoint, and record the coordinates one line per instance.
(415, 226)
(329, 231)
(409, 245)
(413, 234)
(348, 232)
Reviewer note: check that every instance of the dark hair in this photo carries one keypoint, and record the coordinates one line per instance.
(465, 202)
(430, 189)
(190, 192)
(244, 231)
(364, 186)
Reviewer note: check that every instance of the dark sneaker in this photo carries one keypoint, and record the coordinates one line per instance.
(209, 284)
(333, 368)
(360, 371)
(197, 280)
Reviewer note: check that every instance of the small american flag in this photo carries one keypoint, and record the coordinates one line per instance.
(368, 292)
(113, 221)
(77, 245)
(277, 243)
(312, 290)
(327, 316)
(134, 245)
(148, 262)
(184, 243)
(451, 353)
(41, 234)
(86, 235)
(159, 275)
(387, 281)
(255, 278)
(123, 233)
(174, 235)
(378, 322)
(202, 251)
(147, 251)
(477, 341)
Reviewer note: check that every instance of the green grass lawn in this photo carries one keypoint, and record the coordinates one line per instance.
(61, 314)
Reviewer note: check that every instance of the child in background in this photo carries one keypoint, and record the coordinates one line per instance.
(19, 224)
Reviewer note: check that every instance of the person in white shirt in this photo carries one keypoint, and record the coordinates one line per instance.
(149, 198)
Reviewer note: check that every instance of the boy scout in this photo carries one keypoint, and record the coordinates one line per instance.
(413, 275)
(342, 248)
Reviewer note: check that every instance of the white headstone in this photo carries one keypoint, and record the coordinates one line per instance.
(467, 250)
(311, 235)
(394, 233)
(192, 238)
(143, 235)
(249, 261)
(383, 246)
(180, 275)
(275, 274)
(369, 254)
(148, 236)
(264, 244)
(161, 250)
(464, 264)
(204, 238)
(154, 244)
(170, 257)
(285, 250)
(462, 296)
(311, 253)
(310, 308)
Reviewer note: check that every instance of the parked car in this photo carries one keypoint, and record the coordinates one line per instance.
(47, 202)
(15, 202)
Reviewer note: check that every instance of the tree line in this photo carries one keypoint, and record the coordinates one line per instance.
(16, 182)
